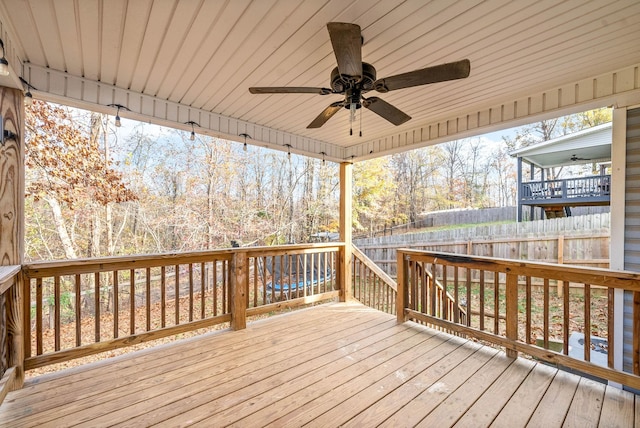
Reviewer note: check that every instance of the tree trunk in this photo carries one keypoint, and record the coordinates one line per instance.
(61, 228)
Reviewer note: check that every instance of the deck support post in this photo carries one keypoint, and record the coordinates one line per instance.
(402, 295)
(346, 222)
(511, 294)
(238, 290)
(12, 226)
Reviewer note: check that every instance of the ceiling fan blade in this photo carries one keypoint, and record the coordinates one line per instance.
(438, 73)
(288, 90)
(326, 115)
(386, 110)
(347, 46)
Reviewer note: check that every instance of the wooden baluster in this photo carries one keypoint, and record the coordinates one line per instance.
(290, 280)
(528, 308)
(456, 297)
(229, 273)
(314, 278)
(468, 297)
(587, 323)
(132, 301)
(369, 286)
(116, 304)
(445, 286)
(422, 294)
(39, 304)
(148, 297)
(496, 302)
(96, 279)
(56, 320)
(176, 293)
(163, 296)
(355, 278)
(190, 292)
(78, 307)
(567, 316)
(432, 290)
(610, 326)
(255, 281)
(215, 287)
(481, 300)
(203, 289)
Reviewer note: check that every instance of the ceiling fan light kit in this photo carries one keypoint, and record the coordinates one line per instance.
(352, 78)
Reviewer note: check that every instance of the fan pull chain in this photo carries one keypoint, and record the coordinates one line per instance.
(361, 121)
(352, 117)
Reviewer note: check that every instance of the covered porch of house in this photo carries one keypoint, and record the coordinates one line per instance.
(413, 351)
(556, 196)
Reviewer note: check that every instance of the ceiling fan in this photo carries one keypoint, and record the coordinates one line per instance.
(576, 158)
(353, 78)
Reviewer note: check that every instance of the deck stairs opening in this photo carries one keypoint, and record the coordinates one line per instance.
(557, 212)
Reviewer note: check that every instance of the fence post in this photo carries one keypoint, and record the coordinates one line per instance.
(560, 284)
(403, 275)
(511, 293)
(238, 290)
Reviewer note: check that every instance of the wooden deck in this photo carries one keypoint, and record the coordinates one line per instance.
(332, 365)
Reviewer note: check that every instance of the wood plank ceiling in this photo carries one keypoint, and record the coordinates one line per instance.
(173, 61)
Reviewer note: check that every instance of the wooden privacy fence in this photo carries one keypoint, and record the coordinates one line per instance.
(504, 309)
(581, 250)
(78, 308)
(582, 240)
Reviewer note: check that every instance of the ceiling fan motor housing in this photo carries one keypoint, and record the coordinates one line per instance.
(340, 85)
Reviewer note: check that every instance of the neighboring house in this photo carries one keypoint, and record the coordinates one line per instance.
(555, 196)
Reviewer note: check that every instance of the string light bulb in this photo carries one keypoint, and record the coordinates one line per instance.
(28, 96)
(118, 122)
(193, 124)
(245, 136)
(288, 146)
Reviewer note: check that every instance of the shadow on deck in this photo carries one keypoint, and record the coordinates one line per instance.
(334, 364)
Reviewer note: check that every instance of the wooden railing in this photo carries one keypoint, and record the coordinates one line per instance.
(295, 275)
(371, 285)
(581, 187)
(374, 288)
(513, 304)
(11, 352)
(82, 307)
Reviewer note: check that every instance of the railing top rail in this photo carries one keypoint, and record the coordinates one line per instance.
(105, 264)
(559, 180)
(7, 276)
(587, 275)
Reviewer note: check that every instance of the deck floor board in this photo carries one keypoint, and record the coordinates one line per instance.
(340, 364)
